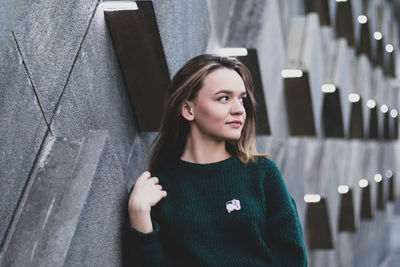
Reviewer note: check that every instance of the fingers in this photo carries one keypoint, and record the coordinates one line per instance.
(144, 175)
(154, 180)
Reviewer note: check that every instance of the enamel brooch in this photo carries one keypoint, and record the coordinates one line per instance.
(232, 205)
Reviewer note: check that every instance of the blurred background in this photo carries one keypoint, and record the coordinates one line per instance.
(82, 84)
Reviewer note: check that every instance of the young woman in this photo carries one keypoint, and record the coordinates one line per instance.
(226, 205)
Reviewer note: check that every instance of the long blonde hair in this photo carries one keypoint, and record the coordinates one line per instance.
(185, 85)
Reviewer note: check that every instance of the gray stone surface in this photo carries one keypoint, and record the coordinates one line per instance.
(261, 143)
(184, 30)
(303, 168)
(271, 59)
(394, 95)
(339, 150)
(368, 244)
(292, 171)
(289, 9)
(332, 11)
(357, 168)
(138, 157)
(313, 152)
(95, 96)
(343, 78)
(53, 39)
(385, 21)
(330, 174)
(276, 148)
(244, 23)
(50, 33)
(387, 161)
(99, 237)
(22, 129)
(372, 165)
(304, 51)
(221, 13)
(377, 88)
(393, 256)
(357, 9)
(9, 14)
(32, 227)
(294, 35)
(272, 146)
(393, 260)
(334, 162)
(329, 44)
(312, 58)
(363, 86)
(396, 149)
(75, 210)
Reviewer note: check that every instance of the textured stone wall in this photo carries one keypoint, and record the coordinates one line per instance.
(71, 149)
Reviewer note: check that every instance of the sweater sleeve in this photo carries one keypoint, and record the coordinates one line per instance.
(147, 249)
(284, 232)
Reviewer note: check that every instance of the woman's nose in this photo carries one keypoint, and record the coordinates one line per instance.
(237, 107)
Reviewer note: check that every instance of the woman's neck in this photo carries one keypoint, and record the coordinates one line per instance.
(198, 150)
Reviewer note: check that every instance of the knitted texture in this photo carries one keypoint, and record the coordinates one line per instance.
(222, 214)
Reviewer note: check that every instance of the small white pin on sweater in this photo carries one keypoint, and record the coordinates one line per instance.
(232, 205)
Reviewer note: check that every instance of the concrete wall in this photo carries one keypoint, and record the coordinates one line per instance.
(62, 93)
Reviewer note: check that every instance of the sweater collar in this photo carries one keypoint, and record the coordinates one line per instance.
(226, 163)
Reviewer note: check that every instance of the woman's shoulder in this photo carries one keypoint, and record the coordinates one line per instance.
(165, 171)
(267, 166)
(264, 161)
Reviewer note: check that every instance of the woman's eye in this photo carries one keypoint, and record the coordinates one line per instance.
(223, 98)
(242, 99)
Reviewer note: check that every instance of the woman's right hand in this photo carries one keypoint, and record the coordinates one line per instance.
(145, 194)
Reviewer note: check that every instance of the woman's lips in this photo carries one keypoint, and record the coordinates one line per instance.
(235, 124)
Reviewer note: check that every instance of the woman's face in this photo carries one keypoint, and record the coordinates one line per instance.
(218, 110)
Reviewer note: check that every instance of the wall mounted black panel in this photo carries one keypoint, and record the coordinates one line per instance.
(262, 120)
(344, 21)
(373, 123)
(379, 58)
(346, 213)
(386, 68)
(391, 195)
(356, 129)
(392, 68)
(140, 53)
(386, 134)
(332, 118)
(364, 43)
(321, 7)
(299, 105)
(317, 225)
(389, 64)
(396, 127)
(380, 198)
(366, 207)
(391, 128)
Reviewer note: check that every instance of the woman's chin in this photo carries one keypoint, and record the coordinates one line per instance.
(234, 137)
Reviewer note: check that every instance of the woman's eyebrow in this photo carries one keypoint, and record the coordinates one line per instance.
(228, 92)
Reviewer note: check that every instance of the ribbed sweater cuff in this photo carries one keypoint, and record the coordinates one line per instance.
(145, 237)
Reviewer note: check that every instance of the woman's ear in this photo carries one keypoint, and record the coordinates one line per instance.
(187, 110)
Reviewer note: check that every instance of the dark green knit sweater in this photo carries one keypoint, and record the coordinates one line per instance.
(222, 214)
